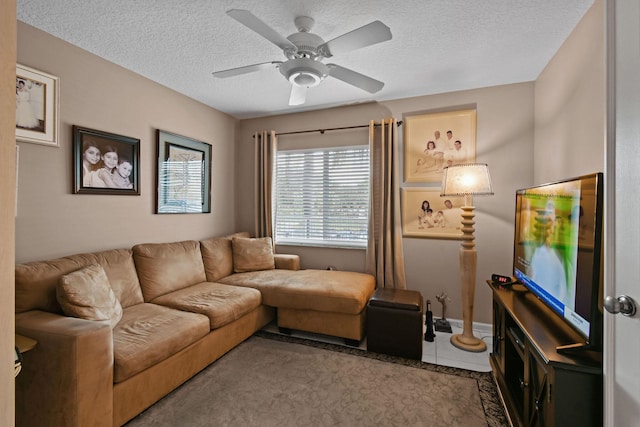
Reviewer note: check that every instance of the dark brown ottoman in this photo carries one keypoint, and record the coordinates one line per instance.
(394, 323)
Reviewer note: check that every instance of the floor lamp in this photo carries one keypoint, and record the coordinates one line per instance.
(467, 180)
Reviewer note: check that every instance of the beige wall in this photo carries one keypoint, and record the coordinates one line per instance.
(504, 141)
(7, 206)
(97, 94)
(570, 104)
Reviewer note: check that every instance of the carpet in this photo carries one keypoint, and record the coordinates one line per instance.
(274, 380)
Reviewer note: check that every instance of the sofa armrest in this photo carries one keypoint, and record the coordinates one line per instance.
(287, 261)
(67, 379)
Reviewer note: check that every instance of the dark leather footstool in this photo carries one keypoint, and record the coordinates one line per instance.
(394, 323)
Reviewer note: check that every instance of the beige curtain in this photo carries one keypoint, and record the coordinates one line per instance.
(266, 145)
(385, 257)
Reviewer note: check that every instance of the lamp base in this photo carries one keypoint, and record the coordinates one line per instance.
(472, 344)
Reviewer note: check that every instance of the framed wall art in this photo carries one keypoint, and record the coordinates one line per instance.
(105, 163)
(436, 140)
(184, 175)
(426, 214)
(37, 105)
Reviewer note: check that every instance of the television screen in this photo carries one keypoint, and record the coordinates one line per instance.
(557, 248)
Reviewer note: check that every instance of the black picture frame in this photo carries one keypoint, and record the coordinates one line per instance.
(183, 178)
(99, 178)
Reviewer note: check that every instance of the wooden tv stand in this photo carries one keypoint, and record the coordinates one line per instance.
(539, 386)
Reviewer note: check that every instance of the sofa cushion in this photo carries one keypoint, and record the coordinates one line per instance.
(252, 254)
(150, 333)
(217, 256)
(86, 294)
(222, 304)
(320, 290)
(36, 281)
(121, 271)
(166, 267)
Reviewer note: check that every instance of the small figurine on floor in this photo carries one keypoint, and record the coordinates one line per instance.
(429, 335)
(442, 324)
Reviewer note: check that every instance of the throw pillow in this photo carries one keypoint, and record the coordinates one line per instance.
(252, 254)
(87, 294)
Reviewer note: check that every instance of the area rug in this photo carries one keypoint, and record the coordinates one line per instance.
(273, 380)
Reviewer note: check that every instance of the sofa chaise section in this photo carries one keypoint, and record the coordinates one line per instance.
(320, 301)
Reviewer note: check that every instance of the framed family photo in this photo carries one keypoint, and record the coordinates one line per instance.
(426, 214)
(37, 105)
(105, 163)
(436, 140)
(184, 175)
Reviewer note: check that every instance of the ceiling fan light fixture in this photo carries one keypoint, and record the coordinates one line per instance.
(304, 79)
(304, 72)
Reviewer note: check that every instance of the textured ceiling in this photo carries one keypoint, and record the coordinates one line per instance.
(437, 45)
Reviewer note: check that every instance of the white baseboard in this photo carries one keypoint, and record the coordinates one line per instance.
(484, 328)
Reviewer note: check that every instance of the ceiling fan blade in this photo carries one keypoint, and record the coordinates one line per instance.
(356, 79)
(298, 95)
(369, 34)
(252, 22)
(244, 70)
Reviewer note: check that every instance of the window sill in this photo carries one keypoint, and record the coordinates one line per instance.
(324, 245)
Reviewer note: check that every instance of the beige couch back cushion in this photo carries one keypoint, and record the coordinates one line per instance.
(217, 256)
(166, 267)
(252, 254)
(36, 281)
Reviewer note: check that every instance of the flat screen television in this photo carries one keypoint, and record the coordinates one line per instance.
(558, 252)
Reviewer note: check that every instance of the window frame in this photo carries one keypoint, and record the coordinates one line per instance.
(327, 154)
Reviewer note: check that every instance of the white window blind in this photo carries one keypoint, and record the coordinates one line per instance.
(181, 186)
(322, 196)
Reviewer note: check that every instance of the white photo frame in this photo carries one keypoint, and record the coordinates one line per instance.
(37, 106)
(435, 140)
(443, 223)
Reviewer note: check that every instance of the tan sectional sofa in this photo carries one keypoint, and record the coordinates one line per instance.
(174, 309)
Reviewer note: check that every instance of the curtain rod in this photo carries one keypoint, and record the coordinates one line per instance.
(322, 131)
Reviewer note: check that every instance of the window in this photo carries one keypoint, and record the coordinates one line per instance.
(322, 196)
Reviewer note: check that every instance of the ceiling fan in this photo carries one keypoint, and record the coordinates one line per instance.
(304, 51)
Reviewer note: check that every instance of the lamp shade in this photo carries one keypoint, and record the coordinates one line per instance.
(471, 179)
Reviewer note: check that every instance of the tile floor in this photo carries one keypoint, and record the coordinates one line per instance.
(442, 352)
(439, 352)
